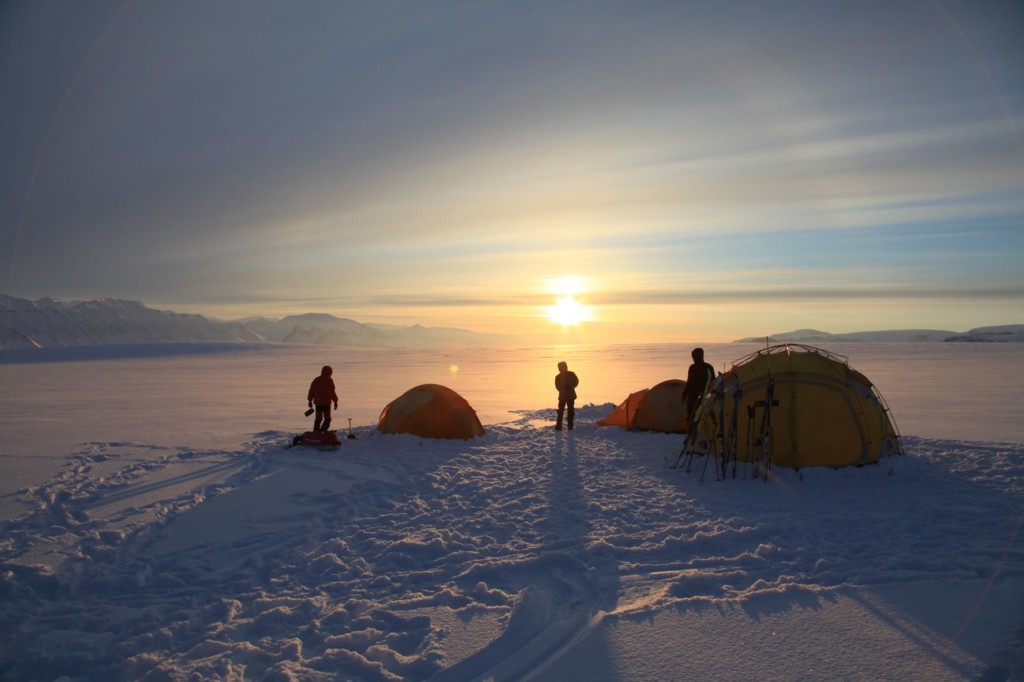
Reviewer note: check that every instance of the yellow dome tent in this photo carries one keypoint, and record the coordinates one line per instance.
(660, 408)
(431, 411)
(793, 406)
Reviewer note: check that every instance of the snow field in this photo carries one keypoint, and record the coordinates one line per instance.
(523, 554)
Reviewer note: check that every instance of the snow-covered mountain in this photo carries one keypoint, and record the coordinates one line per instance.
(418, 336)
(316, 328)
(48, 323)
(1012, 332)
(328, 330)
(814, 335)
(1006, 332)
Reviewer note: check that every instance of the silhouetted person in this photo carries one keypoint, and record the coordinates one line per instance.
(698, 378)
(566, 383)
(321, 394)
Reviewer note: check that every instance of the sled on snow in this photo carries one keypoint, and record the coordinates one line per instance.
(323, 440)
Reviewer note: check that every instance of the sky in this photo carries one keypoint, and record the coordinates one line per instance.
(597, 172)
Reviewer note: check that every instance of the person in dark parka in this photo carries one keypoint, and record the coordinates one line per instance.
(566, 383)
(698, 378)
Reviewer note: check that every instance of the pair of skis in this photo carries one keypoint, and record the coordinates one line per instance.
(762, 445)
(690, 444)
(726, 449)
(718, 444)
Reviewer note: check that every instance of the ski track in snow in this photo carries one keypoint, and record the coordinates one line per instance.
(152, 562)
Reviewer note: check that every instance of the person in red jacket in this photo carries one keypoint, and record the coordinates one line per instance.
(321, 394)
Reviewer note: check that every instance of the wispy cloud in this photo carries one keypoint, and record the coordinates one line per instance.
(422, 159)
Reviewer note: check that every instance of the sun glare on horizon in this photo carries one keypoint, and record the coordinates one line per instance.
(567, 310)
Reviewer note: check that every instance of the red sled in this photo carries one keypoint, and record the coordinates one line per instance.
(325, 440)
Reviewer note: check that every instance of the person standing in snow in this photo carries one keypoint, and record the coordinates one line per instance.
(566, 383)
(698, 379)
(321, 394)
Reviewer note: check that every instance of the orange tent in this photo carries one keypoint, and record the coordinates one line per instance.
(660, 408)
(431, 411)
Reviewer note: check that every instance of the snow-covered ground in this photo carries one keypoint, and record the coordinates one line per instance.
(147, 535)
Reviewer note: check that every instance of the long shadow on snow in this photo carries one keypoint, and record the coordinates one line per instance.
(564, 590)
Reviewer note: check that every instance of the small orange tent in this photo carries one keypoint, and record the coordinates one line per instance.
(660, 408)
(431, 411)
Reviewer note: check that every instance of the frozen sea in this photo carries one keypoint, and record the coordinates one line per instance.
(215, 395)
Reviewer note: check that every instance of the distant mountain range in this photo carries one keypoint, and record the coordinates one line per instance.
(1009, 332)
(48, 323)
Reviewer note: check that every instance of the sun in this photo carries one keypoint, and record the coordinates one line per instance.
(567, 310)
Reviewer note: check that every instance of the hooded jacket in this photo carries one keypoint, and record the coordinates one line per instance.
(321, 391)
(566, 384)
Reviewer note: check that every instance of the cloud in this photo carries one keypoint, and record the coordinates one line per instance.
(463, 152)
(752, 295)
